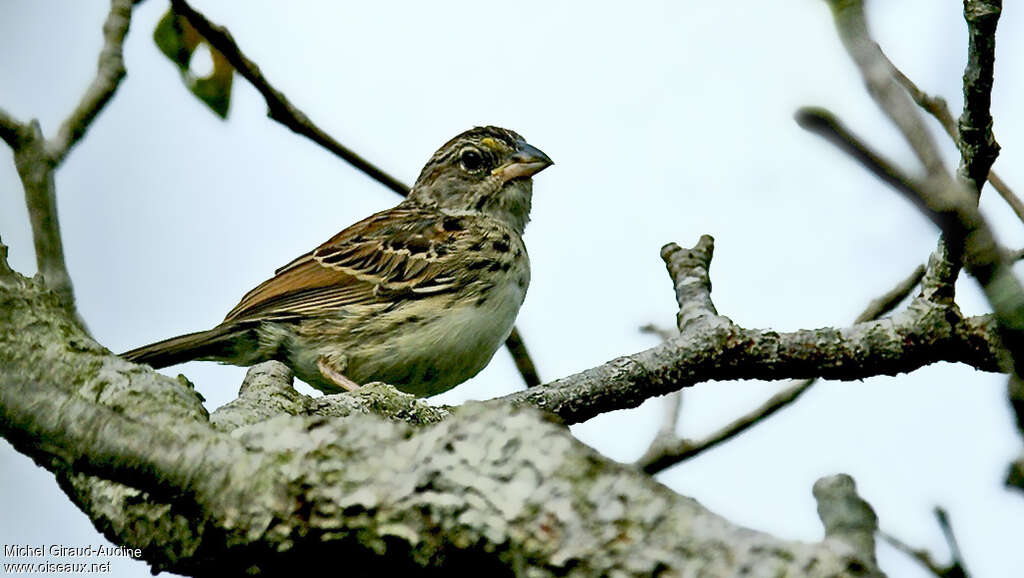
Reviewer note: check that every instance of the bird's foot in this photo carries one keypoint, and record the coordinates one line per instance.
(334, 376)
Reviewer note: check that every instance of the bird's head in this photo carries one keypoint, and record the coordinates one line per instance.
(486, 169)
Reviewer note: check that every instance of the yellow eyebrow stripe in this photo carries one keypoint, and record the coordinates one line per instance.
(492, 144)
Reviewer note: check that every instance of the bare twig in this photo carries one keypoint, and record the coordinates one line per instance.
(847, 517)
(951, 208)
(877, 72)
(663, 332)
(110, 71)
(948, 203)
(923, 557)
(10, 129)
(36, 171)
(667, 451)
(673, 402)
(37, 159)
(280, 109)
(524, 363)
(944, 200)
(956, 568)
(938, 108)
(1015, 474)
(947, 530)
(978, 147)
(1007, 194)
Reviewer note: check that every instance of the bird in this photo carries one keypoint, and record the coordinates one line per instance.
(419, 296)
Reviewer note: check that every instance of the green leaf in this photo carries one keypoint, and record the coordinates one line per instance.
(178, 40)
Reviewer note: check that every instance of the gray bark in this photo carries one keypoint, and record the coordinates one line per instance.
(484, 487)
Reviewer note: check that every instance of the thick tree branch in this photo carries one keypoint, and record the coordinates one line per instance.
(267, 392)
(487, 489)
(714, 348)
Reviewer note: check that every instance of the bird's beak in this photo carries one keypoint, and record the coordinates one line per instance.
(524, 163)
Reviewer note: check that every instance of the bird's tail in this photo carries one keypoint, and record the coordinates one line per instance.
(217, 344)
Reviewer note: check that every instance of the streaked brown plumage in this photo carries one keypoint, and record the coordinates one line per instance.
(419, 296)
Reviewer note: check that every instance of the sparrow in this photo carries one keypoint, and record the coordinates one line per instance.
(419, 296)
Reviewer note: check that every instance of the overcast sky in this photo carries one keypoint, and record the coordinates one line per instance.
(666, 120)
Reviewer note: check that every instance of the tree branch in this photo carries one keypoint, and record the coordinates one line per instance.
(110, 71)
(668, 449)
(846, 516)
(486, 489)
(521, 356)
(7, 274)
(36, 169)
(938, 108)
(978, 147)
(37, 159)
(280, 109)
(949, 205)
(10, 129)
(714, 348)
(267, 392)
(956, 567)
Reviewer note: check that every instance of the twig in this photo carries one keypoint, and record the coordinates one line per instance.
(942, 199)
(690, 272)
(946, 202)
(666, 451)
(524, 363)
(947, 530)
(949, 207)
(663, 332)
(673, 402)
(956, 568)
(110, 71)
(280, 109)
(1015, 475)
(36, 171)
(5, 269)
(37, 159)
(938, 108)
(876, 70)
(846, 516)
(978, 147)
(10, 129)
(923, 557)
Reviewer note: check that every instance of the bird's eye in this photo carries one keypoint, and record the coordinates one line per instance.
(471, 159)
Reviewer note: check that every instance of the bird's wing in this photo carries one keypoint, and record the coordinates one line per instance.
(402, 253)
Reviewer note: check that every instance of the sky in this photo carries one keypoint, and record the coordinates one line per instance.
(666, 121)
